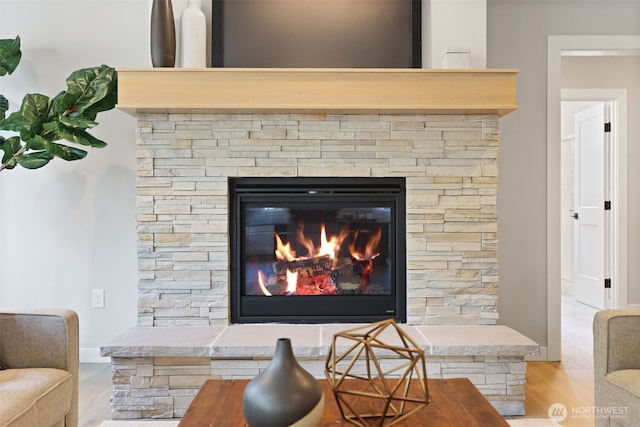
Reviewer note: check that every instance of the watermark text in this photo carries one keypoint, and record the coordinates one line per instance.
(559, 412)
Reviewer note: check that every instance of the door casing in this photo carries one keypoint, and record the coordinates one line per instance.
(557, 46)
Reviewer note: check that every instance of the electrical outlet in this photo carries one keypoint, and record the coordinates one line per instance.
(97, 298)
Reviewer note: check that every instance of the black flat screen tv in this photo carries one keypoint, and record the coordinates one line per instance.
(316, 33)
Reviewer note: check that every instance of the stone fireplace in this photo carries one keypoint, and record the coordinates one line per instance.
(198, 129)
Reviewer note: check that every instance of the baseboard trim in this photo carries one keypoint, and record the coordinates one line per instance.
(92, 355)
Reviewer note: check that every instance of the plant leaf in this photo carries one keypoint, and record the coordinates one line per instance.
(41, 120)
(14, 122)
(4, 106)
(79, 136)
(10, 147)
(35, 111)
(93, 90)
(37, 143)
(50, 131)
(34, 160)
(10, 165)
(63, 102)
(10, 55)
(65, 152)
(35, 107)
(78, 122)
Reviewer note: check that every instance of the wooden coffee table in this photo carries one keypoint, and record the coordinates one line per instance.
(455, 402)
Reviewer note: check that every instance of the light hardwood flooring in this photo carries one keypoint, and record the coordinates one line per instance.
(94, 394)
(569, 382)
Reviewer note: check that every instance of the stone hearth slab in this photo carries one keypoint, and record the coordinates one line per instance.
(496, 340)
(258, 340)
(177, 341)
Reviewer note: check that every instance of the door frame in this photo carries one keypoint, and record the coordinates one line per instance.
(558, 46)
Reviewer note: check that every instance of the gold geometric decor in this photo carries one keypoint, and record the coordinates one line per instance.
(377, 374)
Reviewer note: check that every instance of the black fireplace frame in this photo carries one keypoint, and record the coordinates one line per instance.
(307, 309)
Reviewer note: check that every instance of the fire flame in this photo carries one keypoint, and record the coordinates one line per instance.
(292, 282)
(329, 246)
(262, 282)
(370, 246)
(284, 252)
(305, 241)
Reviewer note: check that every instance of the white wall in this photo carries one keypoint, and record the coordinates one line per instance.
(517, 32)
(454, 24)
(70, 227)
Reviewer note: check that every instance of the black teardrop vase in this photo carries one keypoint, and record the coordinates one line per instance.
(284, 394)
(163, 34)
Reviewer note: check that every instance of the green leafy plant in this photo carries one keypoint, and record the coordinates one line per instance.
(41, 121)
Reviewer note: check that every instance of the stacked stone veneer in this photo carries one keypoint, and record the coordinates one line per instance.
(184, 162)
(162, 387)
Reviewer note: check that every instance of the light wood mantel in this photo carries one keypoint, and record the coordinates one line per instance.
(312, 90)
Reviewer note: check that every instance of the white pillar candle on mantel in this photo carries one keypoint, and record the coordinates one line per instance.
(193, 36)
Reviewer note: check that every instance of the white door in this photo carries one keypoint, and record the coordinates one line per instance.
(591, 155)
(567, 223)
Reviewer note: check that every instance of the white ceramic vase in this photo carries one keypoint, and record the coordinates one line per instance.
(193, 36)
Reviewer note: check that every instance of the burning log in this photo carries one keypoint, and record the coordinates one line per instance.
(348, 276)
(319, 285)
(310, 267)
(363, 269)
(307, 276)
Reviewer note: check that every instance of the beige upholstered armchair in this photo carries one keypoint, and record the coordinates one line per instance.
(40, 385)
(616, 353)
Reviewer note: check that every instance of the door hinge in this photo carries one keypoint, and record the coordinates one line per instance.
(607, 205)
(607, 127)
(607, 283)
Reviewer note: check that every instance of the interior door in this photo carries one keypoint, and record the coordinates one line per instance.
(567, 223)
(590, 251)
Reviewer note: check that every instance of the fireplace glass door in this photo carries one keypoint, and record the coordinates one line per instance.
(317, 250)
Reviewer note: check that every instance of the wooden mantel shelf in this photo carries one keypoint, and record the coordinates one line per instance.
(312, 90)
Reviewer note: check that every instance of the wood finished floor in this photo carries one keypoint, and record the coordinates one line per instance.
(569, 382)
(94, 394)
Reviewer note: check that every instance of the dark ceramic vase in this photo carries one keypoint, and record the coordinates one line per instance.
(163, 34)
(284, 394)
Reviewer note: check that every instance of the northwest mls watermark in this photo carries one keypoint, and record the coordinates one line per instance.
(559, 412)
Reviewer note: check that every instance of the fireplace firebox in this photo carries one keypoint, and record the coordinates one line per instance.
(317, 250)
